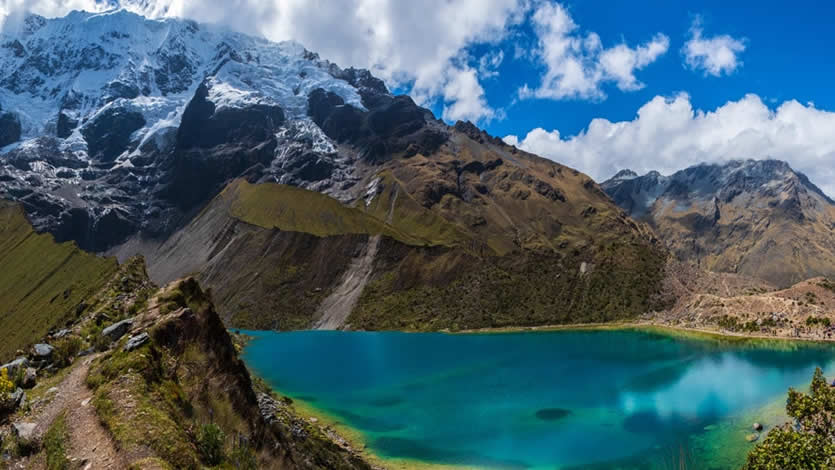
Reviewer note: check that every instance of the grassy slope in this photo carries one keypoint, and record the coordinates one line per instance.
(42, 282)
(292, 209)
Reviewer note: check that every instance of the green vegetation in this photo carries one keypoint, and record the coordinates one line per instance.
(7, 386)
(288, 208)
(210, 443)
(65, 350)
(828, 284)
(55, 445)
(808, 444)
(433, 291)
(731, 323)
(822, 321)
(42, 283)
(409, 216)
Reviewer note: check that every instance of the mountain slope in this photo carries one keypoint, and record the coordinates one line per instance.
(43, 284)
(757, 218)
(130, 129)
(278, 274)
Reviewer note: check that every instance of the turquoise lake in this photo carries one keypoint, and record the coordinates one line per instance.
(559, 400)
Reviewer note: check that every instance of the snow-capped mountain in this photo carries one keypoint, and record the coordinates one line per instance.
(104, 117)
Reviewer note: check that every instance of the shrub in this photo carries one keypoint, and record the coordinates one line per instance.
(6, 385)
(243, 458)
(809, 443)
(101, 342)
(823, 321)
(210, 443)
(65, 350)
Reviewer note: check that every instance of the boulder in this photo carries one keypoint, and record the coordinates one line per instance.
(30, 377)
(61, 333)
(86, 352)
(43, 350)
(24, 431)
(117, 330)
(13, 366)
(135, 342)
(18, 398)
(757, 427)
(11, 402)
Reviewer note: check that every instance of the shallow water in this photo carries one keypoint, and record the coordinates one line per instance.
(562, 399)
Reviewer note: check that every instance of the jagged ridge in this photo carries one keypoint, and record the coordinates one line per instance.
(759, 218)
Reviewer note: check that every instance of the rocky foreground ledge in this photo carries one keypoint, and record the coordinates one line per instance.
(150, 379)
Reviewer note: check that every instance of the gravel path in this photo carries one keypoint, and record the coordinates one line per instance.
(89, 443)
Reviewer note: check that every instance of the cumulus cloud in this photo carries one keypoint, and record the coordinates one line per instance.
(577, 65)
(713, 56)
(415, 46)
(668, 134)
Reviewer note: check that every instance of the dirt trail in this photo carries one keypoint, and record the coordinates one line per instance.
(336, 307)
(90, 444)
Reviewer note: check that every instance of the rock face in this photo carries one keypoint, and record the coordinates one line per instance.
(9, 129)
(132, 112)
(758, 218)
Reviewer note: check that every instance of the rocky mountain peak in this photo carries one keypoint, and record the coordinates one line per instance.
(625, 174)
(736, 216)
(106, 131)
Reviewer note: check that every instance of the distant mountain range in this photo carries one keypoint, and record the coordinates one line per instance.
(304, 195)
(759, 218)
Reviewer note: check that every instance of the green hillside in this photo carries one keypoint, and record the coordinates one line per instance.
(42, 283)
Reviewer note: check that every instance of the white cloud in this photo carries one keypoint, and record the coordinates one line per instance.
(713, 56)
(489, 63)
(577, 66)
(469, 102)
(415, 45)
(668, 135)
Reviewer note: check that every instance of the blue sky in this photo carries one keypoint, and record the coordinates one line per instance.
(599, 86)
(788, 55)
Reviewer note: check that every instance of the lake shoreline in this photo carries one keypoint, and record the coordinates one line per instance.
(358, 444)
(675, 330)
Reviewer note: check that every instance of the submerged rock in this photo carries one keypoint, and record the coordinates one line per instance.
(552, 414)
(752, 437)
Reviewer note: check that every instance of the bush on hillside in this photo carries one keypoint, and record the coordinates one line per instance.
(210, 443)
(807, 444)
